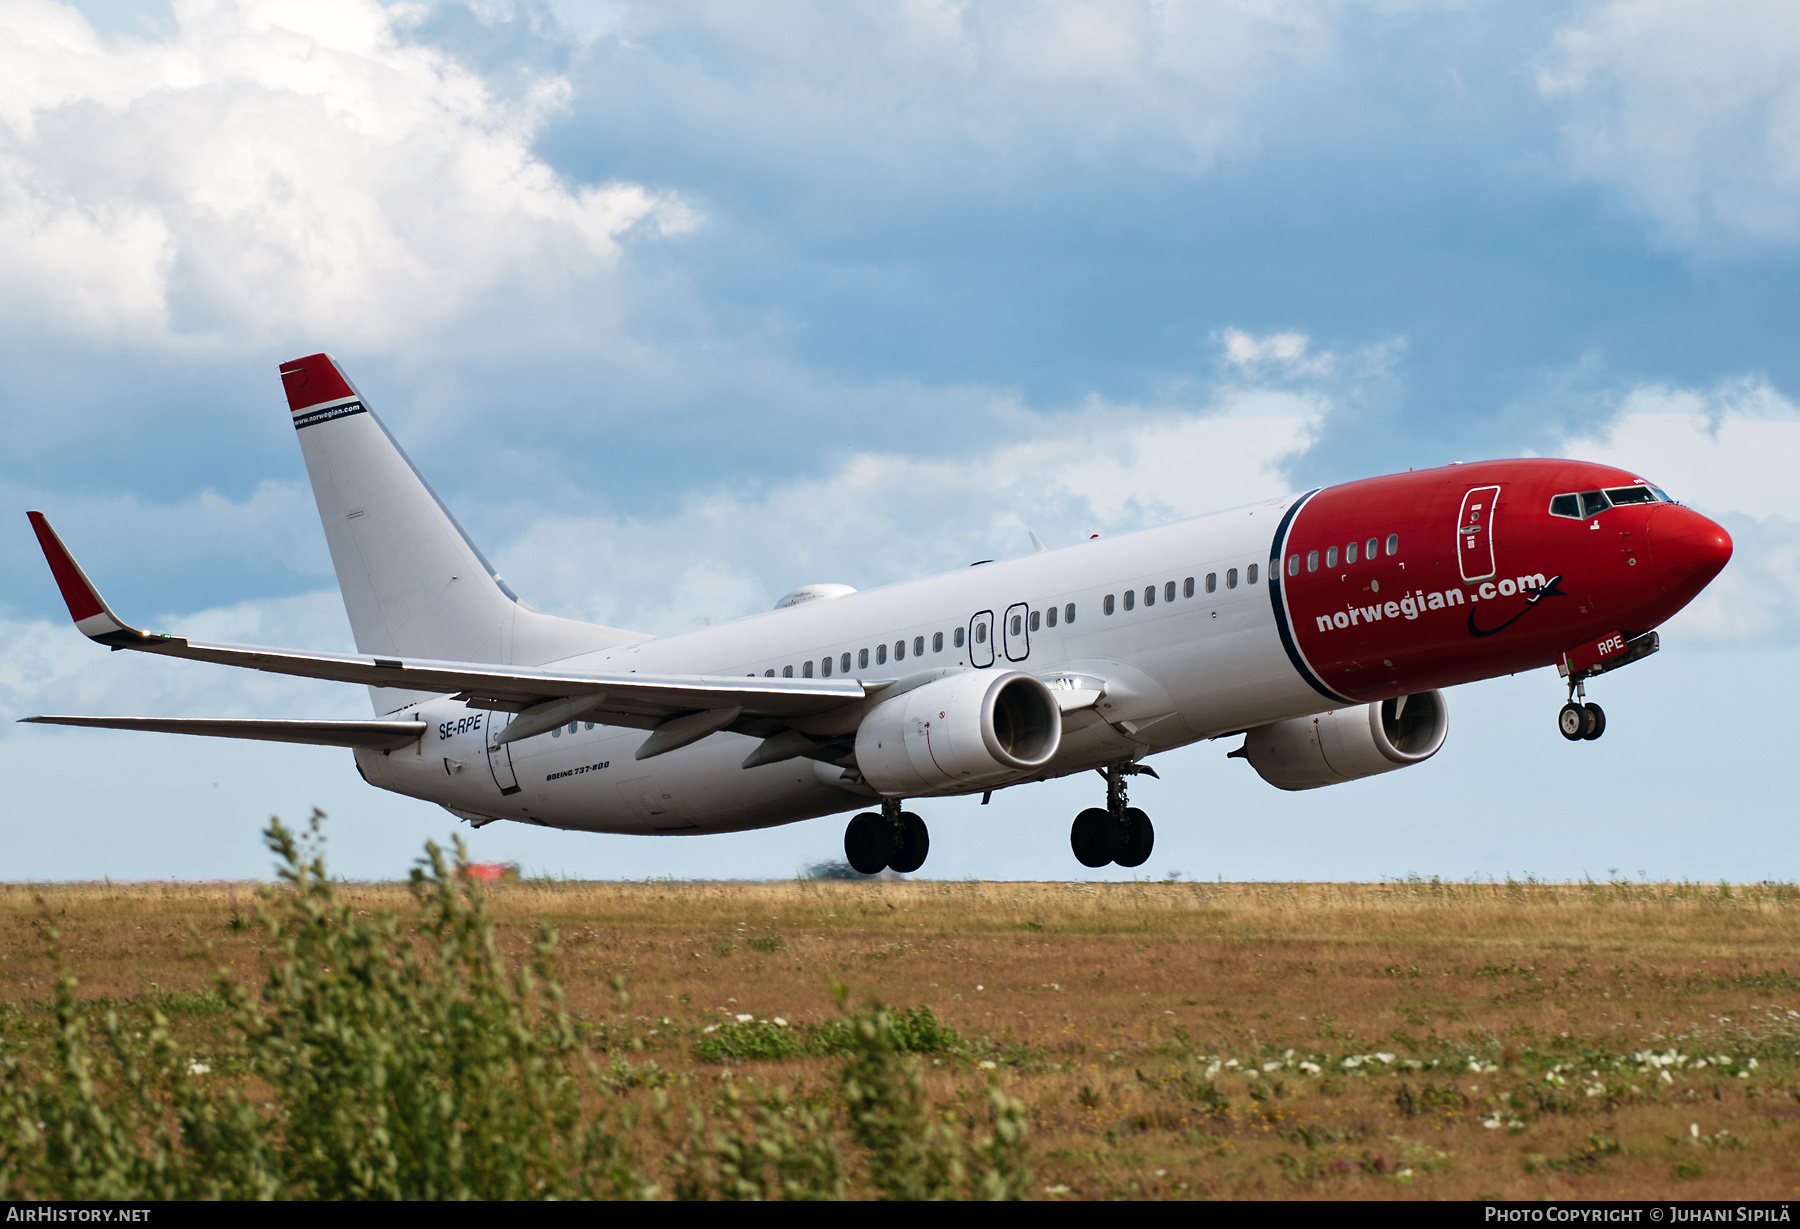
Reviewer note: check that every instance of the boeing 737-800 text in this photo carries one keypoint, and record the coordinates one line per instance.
(1322, 627)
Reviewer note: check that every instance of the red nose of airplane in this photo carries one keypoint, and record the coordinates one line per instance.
(1688, 549)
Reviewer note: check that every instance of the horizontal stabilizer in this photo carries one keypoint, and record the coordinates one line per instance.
(381, 735)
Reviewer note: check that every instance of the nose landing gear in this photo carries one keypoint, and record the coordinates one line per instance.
(1579, 721)
(894, 838)
(1120, 833)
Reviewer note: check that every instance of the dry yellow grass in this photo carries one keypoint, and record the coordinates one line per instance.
(1135, 1020)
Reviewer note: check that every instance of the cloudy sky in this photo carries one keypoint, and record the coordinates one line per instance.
(683, 305)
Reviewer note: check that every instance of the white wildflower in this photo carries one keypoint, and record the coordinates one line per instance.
(743, 1019)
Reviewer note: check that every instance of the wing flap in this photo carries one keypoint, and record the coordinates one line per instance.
(382, 735)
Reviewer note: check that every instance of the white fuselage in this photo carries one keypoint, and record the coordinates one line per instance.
(1173, 671)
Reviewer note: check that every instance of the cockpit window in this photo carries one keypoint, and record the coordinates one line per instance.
(1593, 503)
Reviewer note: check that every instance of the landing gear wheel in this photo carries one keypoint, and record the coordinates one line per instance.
(913, 843)
(1596, 721)
(1139, 838)
(869, 843)
(1572, 722)
(1094, 837)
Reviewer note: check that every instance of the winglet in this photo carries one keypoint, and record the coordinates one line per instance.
(92, 615)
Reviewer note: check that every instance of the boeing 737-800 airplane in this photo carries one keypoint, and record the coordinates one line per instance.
(1322, 627)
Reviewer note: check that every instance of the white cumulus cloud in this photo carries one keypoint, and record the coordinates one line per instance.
(277, 165)
(1691, 110)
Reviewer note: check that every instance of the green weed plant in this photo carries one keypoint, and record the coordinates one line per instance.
(388, 1061)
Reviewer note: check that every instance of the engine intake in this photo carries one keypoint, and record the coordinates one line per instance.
(1348, 744)
(965, 731)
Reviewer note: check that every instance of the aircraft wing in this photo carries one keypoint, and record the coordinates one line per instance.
(547, 697)
(381, 735)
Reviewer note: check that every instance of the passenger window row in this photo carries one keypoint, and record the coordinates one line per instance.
(1107, 605)
(1367, 549)
(842, 663)
(1580, 505)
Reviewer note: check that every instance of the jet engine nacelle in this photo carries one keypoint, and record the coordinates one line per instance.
(968, 730)
(1348, 743)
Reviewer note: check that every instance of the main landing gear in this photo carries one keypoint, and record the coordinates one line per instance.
(893, 839)
(1120, 833)
(1579, 721)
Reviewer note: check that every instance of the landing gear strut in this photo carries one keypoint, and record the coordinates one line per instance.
(1120, 833)
(1579, 721)
(894, 838)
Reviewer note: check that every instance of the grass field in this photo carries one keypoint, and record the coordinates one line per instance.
(1169, 1040)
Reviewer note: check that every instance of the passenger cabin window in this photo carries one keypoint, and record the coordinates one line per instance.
(1149, 595)
(787, 672)
(769, 673)
(862, 659)
(1187, 587)
(1331, 557)
(1566, 505)
(899, 650)
(1393, 544)
(1106, 604)
(825, 667)
(937, 642)
(1018, 624)
(1049, 617)
(1250, 575)
(806, 669)
(1294, 564)
(1630, 495)
(1130, 598)
(918, 646)
(1369, 550)
(881, 654)
(1350, 553)
(957, 638)
(1312, 560)
(1212, 582)
(844, 664)
(1035, 617)
(1069, 613)
(1593, 503)
(1231, 578)
(981, 633)
(1169, 592)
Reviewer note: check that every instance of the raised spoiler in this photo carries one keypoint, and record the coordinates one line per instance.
(544, 699)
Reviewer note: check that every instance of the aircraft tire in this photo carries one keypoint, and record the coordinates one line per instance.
(1572, 722)
(868, 843)
(1094, 837)
(1596, 722)
(1139, 838)
(914, 843)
